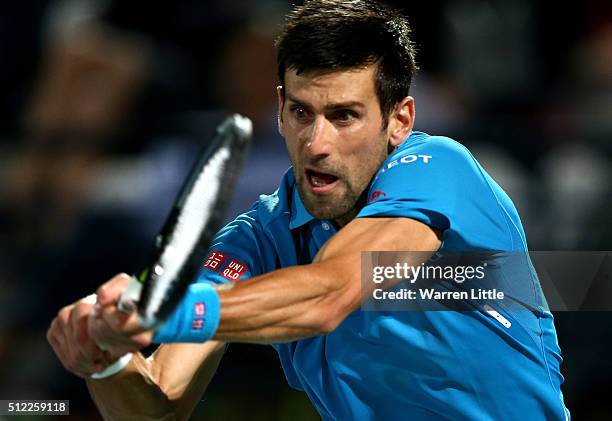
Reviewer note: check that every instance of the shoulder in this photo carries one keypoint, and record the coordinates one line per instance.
(433, 154)
(251, 240)
(428, 148)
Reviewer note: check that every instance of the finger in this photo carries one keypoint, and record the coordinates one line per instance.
(61, 337)
(63, 317)
(60, 344)
(55, 337)
(92, 357)
(51, 331)
(87, 352)
(100, 331)
(143, 339)
(110, 291)
(61, 325)
(107, 331)
(55, 343)
(74, 360)
(79, 317)
(106, 328)
(132, 331)
(131, 324)
(115, 318)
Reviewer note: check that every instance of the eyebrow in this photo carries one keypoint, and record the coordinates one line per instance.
(329, 107)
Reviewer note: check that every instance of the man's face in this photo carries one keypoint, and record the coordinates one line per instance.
(333, 128)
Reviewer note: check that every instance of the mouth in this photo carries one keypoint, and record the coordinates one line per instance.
(320, 182)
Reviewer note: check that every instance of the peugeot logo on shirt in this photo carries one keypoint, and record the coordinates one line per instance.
(407, 159)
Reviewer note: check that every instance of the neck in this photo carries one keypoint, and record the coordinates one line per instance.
(350, 215)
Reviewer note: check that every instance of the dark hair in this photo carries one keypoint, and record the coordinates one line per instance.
(336, 35)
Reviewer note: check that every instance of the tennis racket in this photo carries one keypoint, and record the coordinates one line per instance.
(183, 242)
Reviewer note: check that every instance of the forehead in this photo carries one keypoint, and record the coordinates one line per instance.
(322, 87)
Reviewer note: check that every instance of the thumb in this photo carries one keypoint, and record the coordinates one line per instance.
(109, 292)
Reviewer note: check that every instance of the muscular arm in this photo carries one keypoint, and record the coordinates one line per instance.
(313, 299)
(165, 386)
(295, 302)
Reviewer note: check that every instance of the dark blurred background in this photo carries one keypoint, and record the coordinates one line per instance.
(103, 104)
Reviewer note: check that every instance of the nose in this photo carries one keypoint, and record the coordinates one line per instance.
(318, 140)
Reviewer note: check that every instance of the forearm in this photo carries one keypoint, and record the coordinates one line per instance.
(167, 385)
(287, 304)
(132, 393)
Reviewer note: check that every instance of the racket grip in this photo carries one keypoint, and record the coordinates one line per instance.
(129, 297)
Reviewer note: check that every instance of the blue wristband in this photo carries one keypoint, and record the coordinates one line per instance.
(195, 319)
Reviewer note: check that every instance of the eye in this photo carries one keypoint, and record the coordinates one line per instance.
(344, 116)
(300, 113)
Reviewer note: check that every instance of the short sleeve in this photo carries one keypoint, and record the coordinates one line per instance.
(423, 181)
(236, 252)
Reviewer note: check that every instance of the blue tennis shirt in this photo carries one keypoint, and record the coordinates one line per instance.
(428, 365)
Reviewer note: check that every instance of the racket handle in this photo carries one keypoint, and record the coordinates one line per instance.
(131, 295)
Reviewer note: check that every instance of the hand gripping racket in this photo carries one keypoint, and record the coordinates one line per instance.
(185, 237)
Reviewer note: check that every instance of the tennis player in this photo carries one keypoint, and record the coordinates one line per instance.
(361, 180)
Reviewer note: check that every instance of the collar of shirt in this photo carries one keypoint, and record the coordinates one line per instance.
(299, 215)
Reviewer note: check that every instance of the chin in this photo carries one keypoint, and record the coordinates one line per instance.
(327, 208)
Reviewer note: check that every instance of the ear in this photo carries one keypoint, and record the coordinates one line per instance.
(401, 121)
(281, 103)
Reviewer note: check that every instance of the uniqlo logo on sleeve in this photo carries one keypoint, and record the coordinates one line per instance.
(197, 324)
(234, 270)
(214, 261)
(199, 309)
